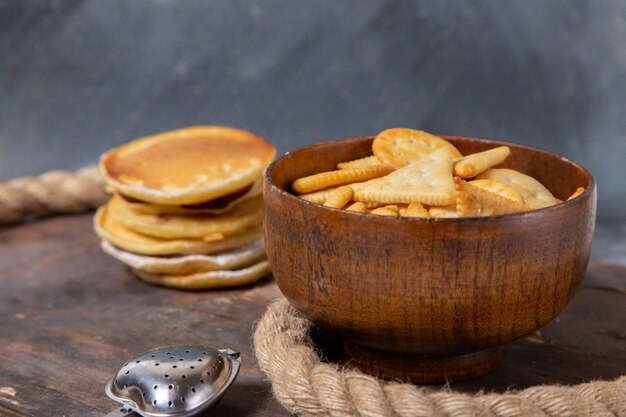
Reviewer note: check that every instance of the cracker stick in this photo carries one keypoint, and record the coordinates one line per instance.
(340, 197)
(392, 207)
(415, 209)
(339, 177)
(476, 163)
(368, 161)
(443, 211)
(320, 196)
(357, 207)
(382, 211)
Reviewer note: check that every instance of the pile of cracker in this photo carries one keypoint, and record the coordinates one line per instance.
(186, 207)
(412, 173)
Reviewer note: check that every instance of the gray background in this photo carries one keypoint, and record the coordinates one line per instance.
(79, 77)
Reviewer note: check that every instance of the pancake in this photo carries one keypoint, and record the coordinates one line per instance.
(217, 206)
(109, 230)
(200, 226)
(187, 166)
(188, 264)
(209, 280)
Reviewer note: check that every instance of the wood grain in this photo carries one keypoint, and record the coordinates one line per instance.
(413, 295)
(70, 315)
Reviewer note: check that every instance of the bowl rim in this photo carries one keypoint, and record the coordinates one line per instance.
(591, 189)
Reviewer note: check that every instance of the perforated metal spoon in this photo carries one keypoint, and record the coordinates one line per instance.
(173, 381)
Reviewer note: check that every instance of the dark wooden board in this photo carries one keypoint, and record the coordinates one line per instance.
(70, 315)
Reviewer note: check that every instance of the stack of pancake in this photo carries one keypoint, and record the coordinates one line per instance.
(186, 207)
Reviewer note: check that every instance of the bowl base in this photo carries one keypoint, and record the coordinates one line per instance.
(421, 369)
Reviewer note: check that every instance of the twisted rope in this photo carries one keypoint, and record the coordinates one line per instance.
(54, 192)
(301, 382)
(308, 387)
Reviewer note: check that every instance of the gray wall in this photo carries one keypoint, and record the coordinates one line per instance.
(79, 77)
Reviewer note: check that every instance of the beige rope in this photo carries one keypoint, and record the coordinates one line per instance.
(307, 387)
(301, 382)
(51, 193)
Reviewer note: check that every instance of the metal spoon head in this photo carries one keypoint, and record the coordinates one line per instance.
(174, 381)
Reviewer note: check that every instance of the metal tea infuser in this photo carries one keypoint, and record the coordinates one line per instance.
(173, 381)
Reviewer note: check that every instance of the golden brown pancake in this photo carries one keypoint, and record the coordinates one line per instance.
(187, 166)
(190, 264)
(115, 233)
(217, 206)
(179, 226)
(209, 280)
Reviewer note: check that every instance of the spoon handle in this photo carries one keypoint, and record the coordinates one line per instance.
(122, 412)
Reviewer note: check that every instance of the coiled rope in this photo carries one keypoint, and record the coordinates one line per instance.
(301, 382)
(308, 387)
(55, 192)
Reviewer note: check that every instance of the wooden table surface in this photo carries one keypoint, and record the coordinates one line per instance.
(70, 315)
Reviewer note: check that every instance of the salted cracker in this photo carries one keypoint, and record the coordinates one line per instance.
(401, 146)
(500, 188)
(534, 193)
(472, 201)
(427, 180)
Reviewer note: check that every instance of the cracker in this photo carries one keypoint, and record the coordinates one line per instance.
(382, 211)
(534, 193)
(499, 188)
(319, 197)
(188, 264)
(428, 180)
(576, 193)
(339, 177)
(401, 146)
(370, 205)
(472, 201)
(339, 197)
(368, 161)
(415, 209)
(358, 207)
(443, 211)
(477, 163)
(209, 280)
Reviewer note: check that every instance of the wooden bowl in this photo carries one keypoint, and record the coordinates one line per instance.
(428, 300)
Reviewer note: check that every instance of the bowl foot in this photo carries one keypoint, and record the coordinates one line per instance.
(421, 369)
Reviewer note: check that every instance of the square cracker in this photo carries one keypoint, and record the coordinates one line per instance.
(427, 180)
